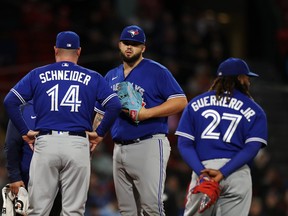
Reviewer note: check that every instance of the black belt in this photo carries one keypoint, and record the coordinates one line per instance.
(127, 142)
(72, 133)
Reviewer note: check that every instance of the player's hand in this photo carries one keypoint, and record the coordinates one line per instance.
(209, 189)
(94, 140)
(216, 175)
(30, 138)
(142, 115)
(14, 187)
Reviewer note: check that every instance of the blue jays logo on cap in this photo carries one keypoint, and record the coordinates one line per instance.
(133, 33)
(233, 67)
(67, 40)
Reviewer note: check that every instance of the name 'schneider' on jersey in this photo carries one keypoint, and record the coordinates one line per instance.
(76, 76)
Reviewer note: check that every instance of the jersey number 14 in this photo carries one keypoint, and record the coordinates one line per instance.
(70, 99)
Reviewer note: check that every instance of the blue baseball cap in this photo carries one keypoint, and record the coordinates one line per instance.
(133, 33)
(67, 40)
(233, 67)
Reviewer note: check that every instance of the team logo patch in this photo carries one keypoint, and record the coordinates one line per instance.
(133, 32)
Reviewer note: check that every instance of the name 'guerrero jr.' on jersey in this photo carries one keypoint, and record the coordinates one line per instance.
(233, 103)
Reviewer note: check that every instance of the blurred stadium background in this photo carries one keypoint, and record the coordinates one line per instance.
(191, 38)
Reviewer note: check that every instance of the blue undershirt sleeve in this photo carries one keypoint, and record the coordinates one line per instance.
(241, 158)
(189, 155)
(13, 151)
(112, 110)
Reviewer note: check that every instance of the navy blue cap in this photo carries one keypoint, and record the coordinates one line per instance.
(133, 33)
(67, 40)
(233, 67)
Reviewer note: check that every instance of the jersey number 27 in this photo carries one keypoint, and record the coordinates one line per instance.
(209, 132)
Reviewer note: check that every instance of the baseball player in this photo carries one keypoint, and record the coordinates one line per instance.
(219, 134)
(64, 95)
(141, 149)
(18, 156)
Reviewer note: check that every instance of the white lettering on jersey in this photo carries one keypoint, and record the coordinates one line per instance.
(115, 87)
(223, 102)
(137, 88)
(70, 99)
(65, 75)
(248, 113)
(212, 101)
(216, 118)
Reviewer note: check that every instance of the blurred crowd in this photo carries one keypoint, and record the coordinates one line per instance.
(190, 40)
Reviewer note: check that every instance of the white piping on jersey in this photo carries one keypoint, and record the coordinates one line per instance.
(18, 96)
(185, 135)
(256, 139)
(108, 98)
(176, 96)
(99, 111)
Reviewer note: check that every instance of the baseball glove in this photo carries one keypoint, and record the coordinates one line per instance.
(131, 100)
(22, 202)
(15, 205)
(8, 201)
(211, 192)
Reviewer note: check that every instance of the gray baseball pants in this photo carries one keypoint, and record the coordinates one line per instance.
(60, 161)
(139, 171)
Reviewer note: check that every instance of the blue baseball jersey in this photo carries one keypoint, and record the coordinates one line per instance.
(64, 95)
(156, 85)
(18, 153)
(220, 129)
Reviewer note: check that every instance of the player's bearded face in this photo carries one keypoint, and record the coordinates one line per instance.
(130, 58)
(130, 52)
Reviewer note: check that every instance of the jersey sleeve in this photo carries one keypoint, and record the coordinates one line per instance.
(186, 141)
(186, 124)
(25, 86)
(105, 93)
(258, 130)
(14, 99)
(109, 101)
(168, 86)
(98, 107)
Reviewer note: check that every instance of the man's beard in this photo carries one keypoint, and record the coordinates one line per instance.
(130, 59)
